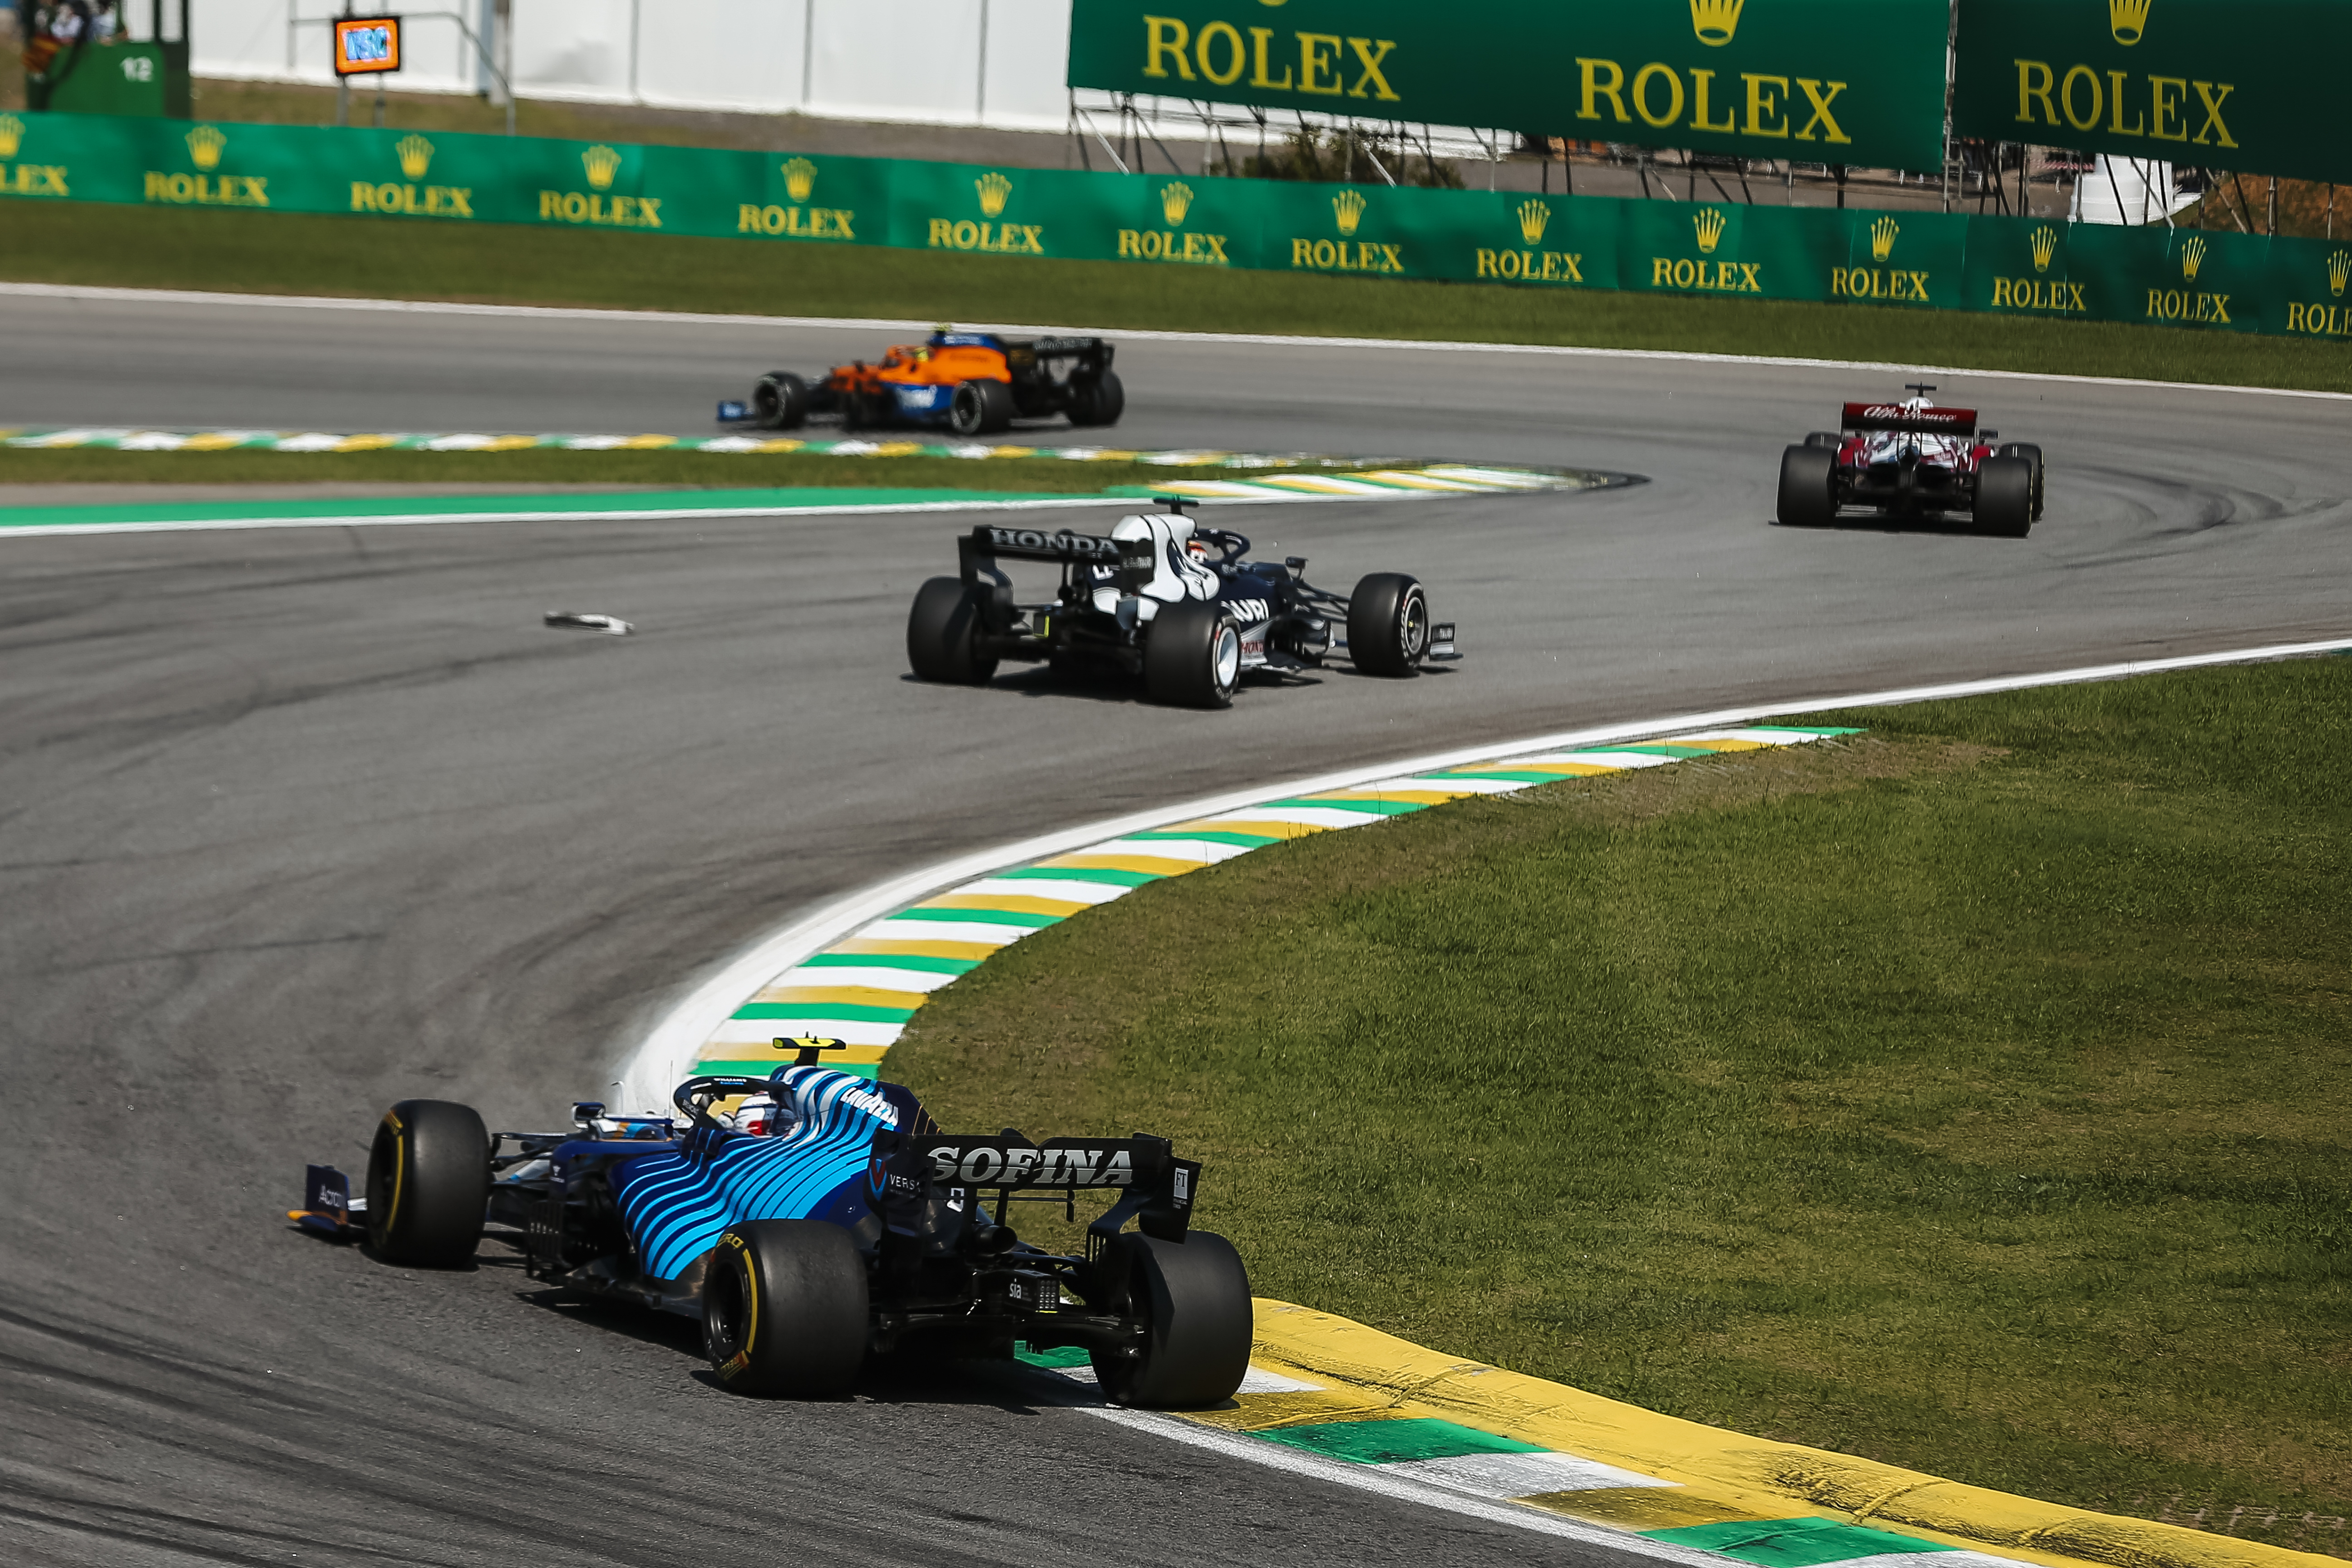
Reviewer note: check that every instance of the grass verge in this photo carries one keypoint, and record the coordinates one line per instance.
(667, 470)
(90, 243)
(1968, 1095)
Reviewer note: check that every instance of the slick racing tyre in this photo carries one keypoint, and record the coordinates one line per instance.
(981, 409)
(781, 401)
(1194, 1297)
(1807, 500)
(1388, 625)
(1100, 401)
(784, 1309)
(1829, 438)
(2032, 454)
(1192, 656)
(429, 1183)
(2005, 497)
(943, 630)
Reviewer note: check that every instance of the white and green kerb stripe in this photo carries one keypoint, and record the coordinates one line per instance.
(864, 989)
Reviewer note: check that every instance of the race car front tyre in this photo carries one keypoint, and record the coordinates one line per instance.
(781, 401)
(1807, 500)
(942, 632)
(784, 1309)
(1193, 1297)
(1388, 625)
(1192, 656)
(429, 1183)
(1098, 402)
(2032, 454)
(981, 408)
(2005, 497)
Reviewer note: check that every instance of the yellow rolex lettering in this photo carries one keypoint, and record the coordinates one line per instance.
(2035, 82)
(2000, 295)
(1662, 272)
(2066, 97)
(942, 232)
(1821, 102)
(1700, 81)
(2294, 318)
(1236, 55)
(1596, 89)
(1369, 53)
(1164, 37)
(157, 189)
(1131, 244)
(2139, 127)
(2168, 91)
(1765, 95)
(1259, 39)
(650, 209)
(1313, 61)
(362, 196)
(749, 219)
(1641, 80)
(1302, 253)
(2213, 113)
(551, 205)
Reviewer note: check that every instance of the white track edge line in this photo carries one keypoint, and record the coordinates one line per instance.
(1399, 1488)
(1279, 340)
(647, 1076)
(205, 525)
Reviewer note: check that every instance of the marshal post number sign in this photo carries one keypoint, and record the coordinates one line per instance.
(2226, 84)
(1834, 81)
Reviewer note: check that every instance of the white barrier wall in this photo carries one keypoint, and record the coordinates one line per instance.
(949, 62)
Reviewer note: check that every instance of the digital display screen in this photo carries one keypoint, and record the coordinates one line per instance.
(366, 44)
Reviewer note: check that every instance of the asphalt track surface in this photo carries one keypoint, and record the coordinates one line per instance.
(296, 823)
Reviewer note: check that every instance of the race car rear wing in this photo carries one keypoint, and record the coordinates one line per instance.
(978, 552)
(1160, 1186)
(1896, 418)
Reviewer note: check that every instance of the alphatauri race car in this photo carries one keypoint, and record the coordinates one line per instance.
(1161, 598)
(823, 1219)
(1910, 460)
(970, 384)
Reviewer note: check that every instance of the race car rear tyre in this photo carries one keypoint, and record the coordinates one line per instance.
(784, 1309)
(1807, 500)
(2005, 497)
(1388, 625)
(2032, 454)
(1829, 438)
(981, 409)
(1192, 656)
(941, 633)
(1098, 402)
(1195, 1296)
(781, 401)
(429, 1183)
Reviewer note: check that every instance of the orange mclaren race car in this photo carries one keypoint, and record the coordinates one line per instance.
(972, 383)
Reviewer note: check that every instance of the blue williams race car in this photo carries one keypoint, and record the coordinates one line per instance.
(824, 1220)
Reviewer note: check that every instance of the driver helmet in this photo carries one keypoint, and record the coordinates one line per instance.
(1196, 547)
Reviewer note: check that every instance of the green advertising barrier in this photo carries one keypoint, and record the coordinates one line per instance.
(2182, 278)
(2225, 84)
(1840, 82)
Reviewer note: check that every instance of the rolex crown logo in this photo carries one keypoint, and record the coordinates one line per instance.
(2045, 245)
(204, 145)
(12, 135)
(415, 156)
(2128, 19)
(800, 179)
(1533, 215)
(1347, 210)
(1882, 237)
(1175, 201)
(2339, 272)
(1715, 20)
(2192, 257)
(1709, 221)
(994, 190)
(602, 163)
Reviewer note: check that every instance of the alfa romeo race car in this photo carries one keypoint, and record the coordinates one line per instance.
(823, 1219)
(972, 383)
(1159, 597)
(1912, 459)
